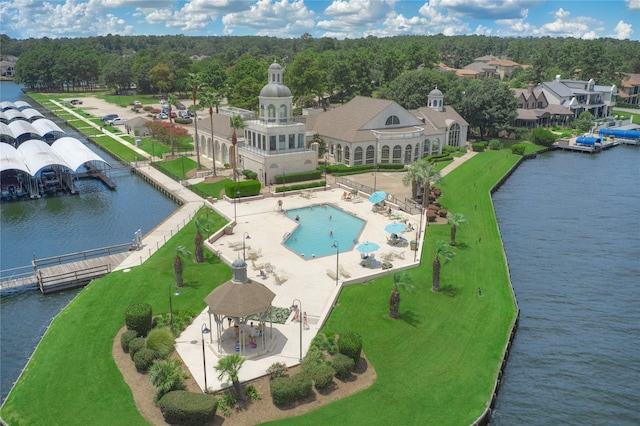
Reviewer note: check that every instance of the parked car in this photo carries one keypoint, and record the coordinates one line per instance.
(182, 107)
(163, 116)
(183, 114)
(76, 102)
(174, 114)
(163, 102)
(191, 113)
(116, 122)
(108, 117)
(137, 104)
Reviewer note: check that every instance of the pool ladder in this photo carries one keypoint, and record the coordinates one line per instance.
(286, 236)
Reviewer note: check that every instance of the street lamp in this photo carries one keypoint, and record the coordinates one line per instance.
(204, 330)
(326, 166)
(337, 247)
(300, 321)
(171, 294)
(245, 236)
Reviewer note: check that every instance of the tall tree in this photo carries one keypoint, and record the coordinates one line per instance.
(422, 175)
(443, 255)
(236, 123)
(161, 77)
(195, 83)
(304, 76)
(172, 101)
(210, 99)
(455, 220)
(401, 280)
(229, 367)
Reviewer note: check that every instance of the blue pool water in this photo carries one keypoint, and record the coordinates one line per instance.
(318, 228)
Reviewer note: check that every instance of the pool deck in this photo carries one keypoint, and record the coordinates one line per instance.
(306, 280)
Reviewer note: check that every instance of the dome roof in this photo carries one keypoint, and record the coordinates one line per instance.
(239, 263)
(275, 67)
(273, 90)
(435, 92)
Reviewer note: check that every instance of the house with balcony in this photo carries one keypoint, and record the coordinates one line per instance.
(630, 90)
(535, 110)
(580, 96)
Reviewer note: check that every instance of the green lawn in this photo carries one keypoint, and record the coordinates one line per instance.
(72, 378)
(436, 365)
(178, 167)
(210, 189)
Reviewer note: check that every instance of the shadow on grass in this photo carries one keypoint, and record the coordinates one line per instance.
(462, 246)
(449, 290)
(410, 318)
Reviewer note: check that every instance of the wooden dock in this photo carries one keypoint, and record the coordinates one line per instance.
(68, 271)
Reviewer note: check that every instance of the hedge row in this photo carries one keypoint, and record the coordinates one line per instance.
(285, 390)
(247, 188)
(315, 184)
(479, 146)
(298, 177)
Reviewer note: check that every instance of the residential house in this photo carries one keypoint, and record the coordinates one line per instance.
(630, 90)
(580, 96)
(534, 109)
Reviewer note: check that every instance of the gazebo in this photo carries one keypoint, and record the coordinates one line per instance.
(240, 299)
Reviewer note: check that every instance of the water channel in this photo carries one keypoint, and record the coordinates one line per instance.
(97, 217)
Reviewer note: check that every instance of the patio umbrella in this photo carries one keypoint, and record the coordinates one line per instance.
(367, 247)
(377, 196)
(395, 227)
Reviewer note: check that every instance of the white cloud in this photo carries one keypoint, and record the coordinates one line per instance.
(633, 4)
(354, 18)
(396, 24)
(482, 30)
(440, 23)
(70, 18)
(483, 9)
(284, 18)
(623, 30)
(193, 16)
(563, 25)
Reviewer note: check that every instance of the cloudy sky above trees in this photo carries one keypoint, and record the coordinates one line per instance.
(586, 19)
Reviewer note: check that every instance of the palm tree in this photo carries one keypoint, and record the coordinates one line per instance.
(236, 123)
(455, 220)
(421, 174)
(202, 225)
(404, 281)
(444, 253)
(195, 82)
(230, 366)
(177, 264)
(210, 99)
(172, 101)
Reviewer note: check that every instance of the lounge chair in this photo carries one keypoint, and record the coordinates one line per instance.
(331, 273)
(344, 272)
(258, 266)
(254, 254)
(398, 254)
(280, 279)
(235, 245)
(387, 257)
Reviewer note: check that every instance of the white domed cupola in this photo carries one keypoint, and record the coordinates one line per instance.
(435, 100)
(276, 99)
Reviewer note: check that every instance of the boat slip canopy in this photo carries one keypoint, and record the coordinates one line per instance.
(34, 155)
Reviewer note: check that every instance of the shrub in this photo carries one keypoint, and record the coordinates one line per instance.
(143, 359)
(250, 174)
(166, 376)
(179, 120)
(226, 401)
(277, 369)
(298, 177)
(188, 408)
(325, 342)
(323, 375)
(138, 317)
(161, 341)
(135, 345)
(518, 148)
(126, 338)
(285, 390)
(247, 188)
(350, 344)
(479, 146)
(343, 365)
(542, 137)
(252, 393)
(311, 361)
(314, 184)
(495, 145)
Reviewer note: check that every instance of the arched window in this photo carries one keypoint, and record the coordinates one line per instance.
(347, 157)
(357, 156)
(338, 153)
(385, 154)
(454, 135)
(370, 155)
(283, 113)
(262, 111)
(392, 120)
(425, 147)
(407, 154)
(397, 154)
(272, 113)
(416, 155)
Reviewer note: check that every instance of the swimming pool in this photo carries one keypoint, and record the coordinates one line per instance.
(319, 226)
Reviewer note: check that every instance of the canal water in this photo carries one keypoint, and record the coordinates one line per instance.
(571, 229)
(97, 217)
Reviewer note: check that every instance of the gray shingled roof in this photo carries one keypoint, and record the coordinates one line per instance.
(235, 299)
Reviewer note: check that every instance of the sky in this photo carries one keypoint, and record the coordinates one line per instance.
(586, 19)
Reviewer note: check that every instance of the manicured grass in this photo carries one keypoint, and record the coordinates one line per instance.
(625, 114)
(72, 378)
(127, 100)
(178, 167)
(437, 364)
(210, 189)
